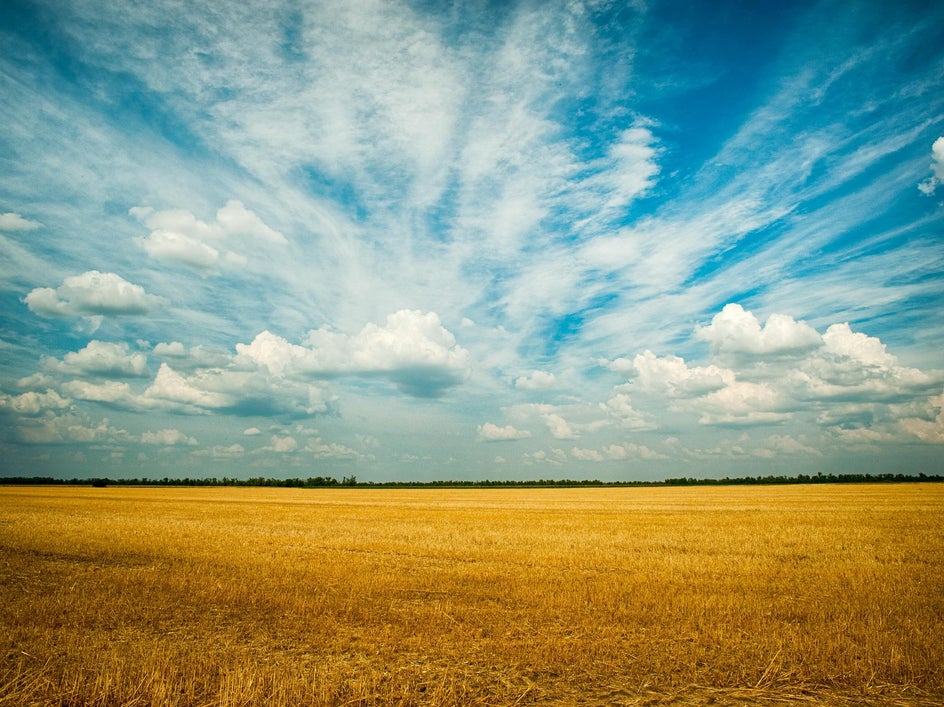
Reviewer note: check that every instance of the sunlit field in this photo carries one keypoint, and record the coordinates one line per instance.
(826, 594)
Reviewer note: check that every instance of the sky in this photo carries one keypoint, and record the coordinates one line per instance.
(472, 240)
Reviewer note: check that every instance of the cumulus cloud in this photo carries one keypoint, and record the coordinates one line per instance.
(493, 433)
(14, 222)
(615, 452)
(281, 445)
(853, 366)
(558, 426)
(33, 403)
(737, 331)
(91, 294)
(194, 357)
(672, 376)
(413, 350)
(70, 428)
(236, 392)
(621, 408)
(930, 185)
(536, 380)
(929, 428)
(102, 358)
(179, 236)
(741, 403)
(783, 370)
(109, 392)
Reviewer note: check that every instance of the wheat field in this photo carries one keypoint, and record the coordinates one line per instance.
(820, 594)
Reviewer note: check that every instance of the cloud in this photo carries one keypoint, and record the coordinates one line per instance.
(615, 452)
(110, 392)
(558, 426)
(536, 380)
(853, 366)
(413, 350)
(742, 403)
(493, 433)
(930, 185)
(620, 407)
(91, 294)
(737, 331)
(281, 445)
(32, 403)
(194, 357)
(221, 452)
(332, 450)
(234, 392)
(782, 371)
(179, 236)
(70, 428)
(929, 428)
(168, 438)
(102, 358)
(14, 222)
(670, 375)
(176, 247)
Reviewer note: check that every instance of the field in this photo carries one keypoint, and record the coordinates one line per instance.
(826, 594)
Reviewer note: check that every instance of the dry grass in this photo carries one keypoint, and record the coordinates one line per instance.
(736, 595)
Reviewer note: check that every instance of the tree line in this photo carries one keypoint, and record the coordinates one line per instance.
(351, 481)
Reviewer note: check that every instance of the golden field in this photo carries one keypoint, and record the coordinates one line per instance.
(820, 594)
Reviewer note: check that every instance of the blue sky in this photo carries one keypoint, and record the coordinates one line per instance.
(475, 240)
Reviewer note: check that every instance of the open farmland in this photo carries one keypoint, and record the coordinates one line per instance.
(243, 596)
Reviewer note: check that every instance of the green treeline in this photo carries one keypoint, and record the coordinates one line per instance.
(351, 481)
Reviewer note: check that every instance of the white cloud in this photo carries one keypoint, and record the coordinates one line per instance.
(237, 392)
(110, 392)
(741, 403)
(558, 426)
(33, 403)
(90, 294)
(102, 358)
(14, 222)
(179, 236)
(252, 431)
(536, 380)
(237, 221)
(282, 445)
(168, 438)
(412, 349)
(177, 247)
(855, 367)
(192, 394)
(615, 452)
(70, 428)
(620, 407)
(493, 433)
(737, 331)
(930, 185)
(174, 349)
(670, 375)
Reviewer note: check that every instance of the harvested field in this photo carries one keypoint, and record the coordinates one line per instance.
(825, 594)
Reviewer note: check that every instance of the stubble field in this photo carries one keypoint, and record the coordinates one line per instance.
(826, 594)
